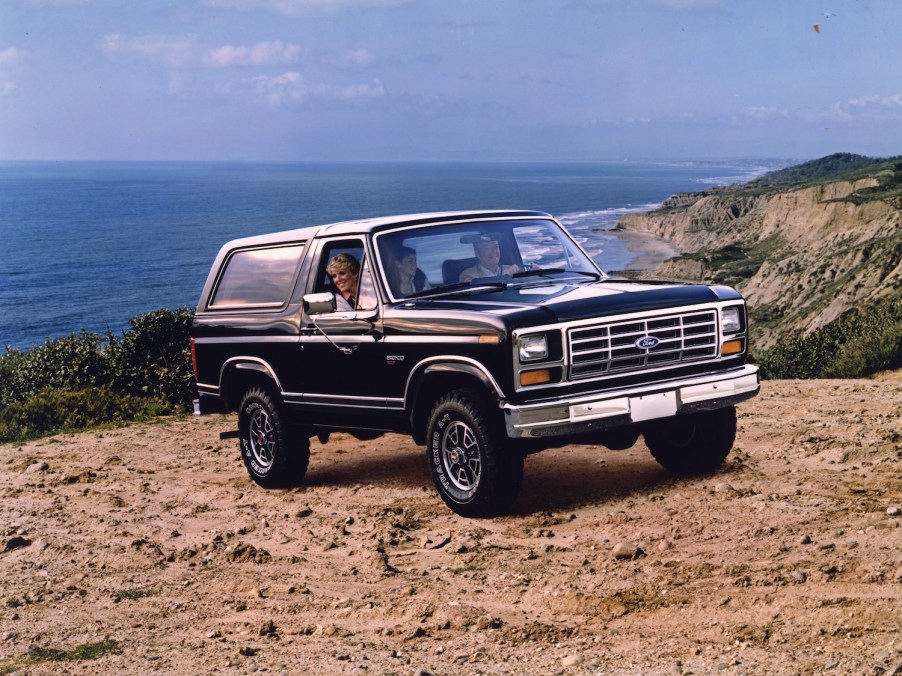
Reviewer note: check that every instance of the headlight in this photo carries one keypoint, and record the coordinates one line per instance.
(533, 347)
(730, 320)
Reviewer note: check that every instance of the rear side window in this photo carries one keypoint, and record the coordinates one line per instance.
(257, 277)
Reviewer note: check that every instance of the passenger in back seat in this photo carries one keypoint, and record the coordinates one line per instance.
(410, 278)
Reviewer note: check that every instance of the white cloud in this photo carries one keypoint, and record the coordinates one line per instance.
(261, 54)
(688, 5)
(170, 51)
(12, 56)
(764, 112)
(862, 107)
(674, 5)
(9, 58)
(290, 88)
(58, 3)
(184, 51)
(282, 89)
(352, 58)
(360, 91)
(296, 8)
(877, 106)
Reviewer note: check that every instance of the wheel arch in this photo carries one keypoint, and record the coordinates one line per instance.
(430, 381)
(241, 373)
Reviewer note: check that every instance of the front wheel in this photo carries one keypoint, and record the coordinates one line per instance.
(693, 444)
(473, 473)
(274, 455)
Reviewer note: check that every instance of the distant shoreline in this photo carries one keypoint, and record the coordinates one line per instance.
(651, 251)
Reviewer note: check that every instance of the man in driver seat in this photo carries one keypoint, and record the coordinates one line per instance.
(488, 258)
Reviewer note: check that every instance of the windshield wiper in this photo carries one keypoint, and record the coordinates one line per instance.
(535, 272)
(552, 271)
(453, 288)
(593, 275)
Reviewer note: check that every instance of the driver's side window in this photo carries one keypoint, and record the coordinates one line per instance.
(345, 272)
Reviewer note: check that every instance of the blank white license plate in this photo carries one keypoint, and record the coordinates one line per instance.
(652, 406)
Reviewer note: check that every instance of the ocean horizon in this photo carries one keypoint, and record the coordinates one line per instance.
(89, 245)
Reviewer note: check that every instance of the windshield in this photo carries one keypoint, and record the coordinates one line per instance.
(436, 258)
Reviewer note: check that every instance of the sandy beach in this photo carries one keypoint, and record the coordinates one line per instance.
(650, 251)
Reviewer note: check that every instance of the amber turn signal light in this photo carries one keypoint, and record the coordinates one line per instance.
(535, 377)
(731, 347)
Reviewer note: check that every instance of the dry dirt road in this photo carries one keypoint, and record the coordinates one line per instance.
(148, 549)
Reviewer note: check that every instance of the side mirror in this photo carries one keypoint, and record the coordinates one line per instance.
(319, 303)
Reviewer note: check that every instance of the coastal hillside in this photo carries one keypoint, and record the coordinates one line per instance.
(804, 244)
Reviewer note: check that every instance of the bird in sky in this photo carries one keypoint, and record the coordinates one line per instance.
(816, 27)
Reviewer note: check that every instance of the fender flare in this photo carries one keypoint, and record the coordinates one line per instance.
(435, 366)
(477, 371)
(246, 363)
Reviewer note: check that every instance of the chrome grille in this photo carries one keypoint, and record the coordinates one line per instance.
(611, 347)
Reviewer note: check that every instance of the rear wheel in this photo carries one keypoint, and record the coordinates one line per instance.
(472, 471)
(693, 444)
(274, 454)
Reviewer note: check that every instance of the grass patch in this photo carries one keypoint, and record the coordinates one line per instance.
(83, 652)
(16, 602)
(735, 263)
(131, 594)
(52, 411)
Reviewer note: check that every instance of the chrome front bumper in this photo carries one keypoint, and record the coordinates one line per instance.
(606, 410)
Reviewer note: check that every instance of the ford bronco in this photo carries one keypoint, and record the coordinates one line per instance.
(485, 336)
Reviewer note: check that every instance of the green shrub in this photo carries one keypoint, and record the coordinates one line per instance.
(73, 362)
(83, 380)
(153, 358)
(52, 411)
(858, 343)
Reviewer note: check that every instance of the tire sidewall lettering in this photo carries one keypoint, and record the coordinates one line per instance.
(249, 409)
(435, 447)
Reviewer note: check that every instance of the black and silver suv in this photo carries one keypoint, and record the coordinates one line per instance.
(484, 335)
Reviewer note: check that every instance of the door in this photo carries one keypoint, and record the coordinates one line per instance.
(344, 354)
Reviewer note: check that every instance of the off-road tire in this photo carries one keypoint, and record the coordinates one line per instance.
(275, 455)
(693, 444)
(473, 471)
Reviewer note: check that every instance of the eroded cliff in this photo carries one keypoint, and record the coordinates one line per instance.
(801, 256)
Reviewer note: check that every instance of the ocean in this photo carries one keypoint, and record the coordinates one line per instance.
(88, 245)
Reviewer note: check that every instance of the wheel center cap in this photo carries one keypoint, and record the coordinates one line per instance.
(456, 456)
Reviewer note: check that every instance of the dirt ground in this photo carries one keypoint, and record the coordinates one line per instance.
(151, 545)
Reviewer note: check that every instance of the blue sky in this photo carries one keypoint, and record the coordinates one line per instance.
(449, 79)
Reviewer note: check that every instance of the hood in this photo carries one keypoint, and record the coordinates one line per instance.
(558, 302)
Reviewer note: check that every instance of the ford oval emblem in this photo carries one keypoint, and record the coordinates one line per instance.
(647, 342)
